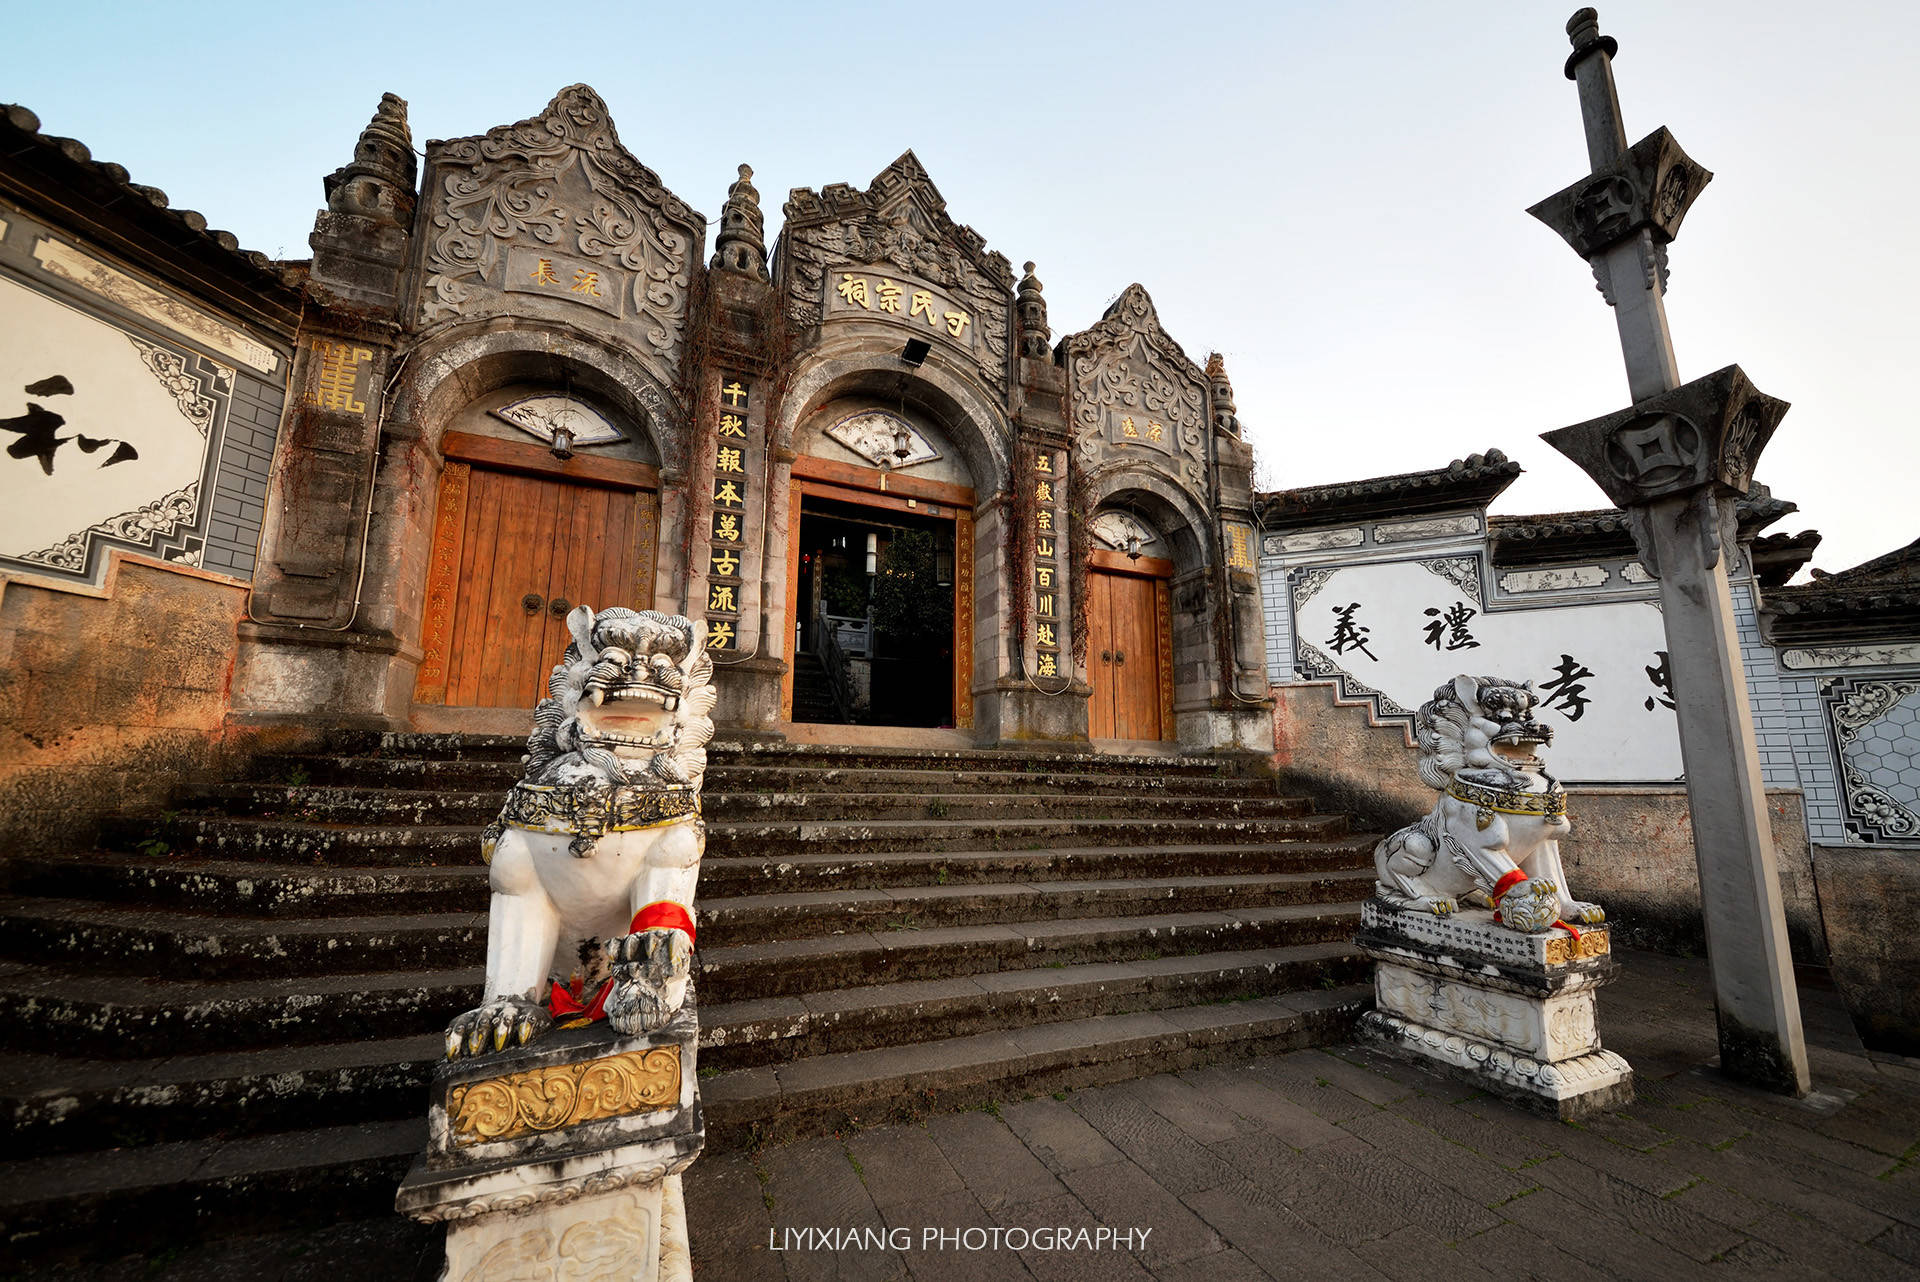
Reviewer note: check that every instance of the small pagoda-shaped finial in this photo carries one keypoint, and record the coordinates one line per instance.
(1220, 389)
(742, 243)
(1031, 310)
(379, 183)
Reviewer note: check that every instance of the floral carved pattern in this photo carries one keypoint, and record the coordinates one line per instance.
(549, 1099)
(1127, 365)
(561, 181)
(1876, 736)
(179, 382)
(1461, 571)
(143, 527)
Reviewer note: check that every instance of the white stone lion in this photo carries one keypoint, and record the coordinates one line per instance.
(595, 855)
(1492, 839)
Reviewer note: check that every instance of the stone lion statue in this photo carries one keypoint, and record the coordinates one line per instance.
(594, 857)
(1492, 839)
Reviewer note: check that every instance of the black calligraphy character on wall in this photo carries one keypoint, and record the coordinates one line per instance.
(39, 430)
(1348, 635)
(1569, 696)
(1452, 622)
(1662, 683)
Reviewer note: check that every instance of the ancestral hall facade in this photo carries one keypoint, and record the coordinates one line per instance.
(518, 387)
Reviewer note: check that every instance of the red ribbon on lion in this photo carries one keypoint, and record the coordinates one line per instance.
(563, 1002)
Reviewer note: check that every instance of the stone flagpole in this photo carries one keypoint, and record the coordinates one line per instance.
(1676, 460)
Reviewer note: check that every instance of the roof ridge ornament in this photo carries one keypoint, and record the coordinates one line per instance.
(741, 245)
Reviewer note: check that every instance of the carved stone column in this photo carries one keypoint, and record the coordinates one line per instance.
(307, 646)
(1244, 704)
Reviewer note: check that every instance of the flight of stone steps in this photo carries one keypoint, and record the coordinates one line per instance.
(229, 1013)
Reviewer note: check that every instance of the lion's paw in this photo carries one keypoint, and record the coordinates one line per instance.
(650, 973)
(1437, 905)
(496, 1025)
(1585, 913)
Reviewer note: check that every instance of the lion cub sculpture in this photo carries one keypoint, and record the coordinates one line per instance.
(594, 857)
(1492, 839)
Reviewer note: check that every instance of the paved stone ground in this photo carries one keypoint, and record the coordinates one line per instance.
(1319, 1165)
(1349, 1164)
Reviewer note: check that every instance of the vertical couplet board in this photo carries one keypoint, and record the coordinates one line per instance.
(514, 548)
(1129, 650)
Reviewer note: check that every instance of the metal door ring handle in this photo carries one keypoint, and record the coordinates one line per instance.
(1106, 656)
(532, 602)
(558, 607)
(1119, 656)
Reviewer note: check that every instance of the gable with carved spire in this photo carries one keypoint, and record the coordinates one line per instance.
(892, 254)
(1136, 396)
(553, 218)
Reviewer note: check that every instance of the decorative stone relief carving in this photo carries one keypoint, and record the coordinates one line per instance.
(899, 224)
(541, 415)
(1115, 529)
(1313, 540)
(1314, 663)
(144, 527)
(1850, 656)
(1135, 391)
(1408, 531)
(555, 206)
(1876, 733)
(1461, 571)
(1562, 579)
(1634, 572)
(872, 434)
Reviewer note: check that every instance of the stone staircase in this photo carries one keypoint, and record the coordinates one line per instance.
(813, 693)
(229, 1014)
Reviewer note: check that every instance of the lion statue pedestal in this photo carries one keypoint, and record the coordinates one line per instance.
(556, 1139)
(1484, 961)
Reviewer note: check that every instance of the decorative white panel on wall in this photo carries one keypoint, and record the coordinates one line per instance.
(1399, 629)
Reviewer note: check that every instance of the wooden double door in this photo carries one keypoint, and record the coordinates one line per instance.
(515, 548)
(1129, 649)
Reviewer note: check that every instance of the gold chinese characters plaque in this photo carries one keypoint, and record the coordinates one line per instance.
(551, 1099)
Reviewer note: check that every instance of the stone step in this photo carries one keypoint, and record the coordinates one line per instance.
(251, 888)
(859, 958)
(167, 1190)
(53, 1010)
(777, 1030)
(497, 776)
(110, 939)
(803, 915)
(214, 836)
(722, 876)
(723, 753)
(55, 1104)
(352, 805)
(832, 1093)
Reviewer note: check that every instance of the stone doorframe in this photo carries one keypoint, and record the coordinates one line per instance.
(870, 487)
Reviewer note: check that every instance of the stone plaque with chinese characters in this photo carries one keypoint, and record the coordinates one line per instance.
(572, 280)
(884, 294)
(725, 554)
(1135, 428)
(1049, 614)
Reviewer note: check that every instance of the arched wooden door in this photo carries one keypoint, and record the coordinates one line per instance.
(519, 539)
(1129, 648)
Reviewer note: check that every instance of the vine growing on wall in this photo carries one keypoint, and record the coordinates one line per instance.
(1079, 549)
(1021, 514)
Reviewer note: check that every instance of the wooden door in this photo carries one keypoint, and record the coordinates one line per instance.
(513, 552)
(1127, 654)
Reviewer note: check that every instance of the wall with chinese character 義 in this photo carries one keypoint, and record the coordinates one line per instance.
(143, 365)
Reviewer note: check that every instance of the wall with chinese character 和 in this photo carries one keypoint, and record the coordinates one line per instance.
(140, 426)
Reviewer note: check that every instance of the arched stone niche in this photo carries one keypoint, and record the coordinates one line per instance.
(452, 383)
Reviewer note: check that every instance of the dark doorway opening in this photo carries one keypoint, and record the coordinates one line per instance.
(875, 616)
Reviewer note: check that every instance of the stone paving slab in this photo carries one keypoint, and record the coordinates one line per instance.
(1349, 1163)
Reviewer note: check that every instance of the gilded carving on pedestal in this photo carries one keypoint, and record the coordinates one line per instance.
(551, 1099)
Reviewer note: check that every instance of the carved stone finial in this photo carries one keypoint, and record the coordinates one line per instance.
(1583, 31)
(379, 183)
(1035, 335)
(1220, 388)
(742, 243)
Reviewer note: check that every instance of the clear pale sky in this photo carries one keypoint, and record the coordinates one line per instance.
(1333, 195)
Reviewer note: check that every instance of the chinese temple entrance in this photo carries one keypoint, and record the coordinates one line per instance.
(880, 584)
(519, 540)
(1129, 647)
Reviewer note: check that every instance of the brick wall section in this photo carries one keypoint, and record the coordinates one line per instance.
(233, 531)
(1766, 693)
(1277, 606)
(108, 702)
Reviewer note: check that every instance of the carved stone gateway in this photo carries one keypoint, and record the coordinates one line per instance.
(560, 1157)
(1485, 960)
